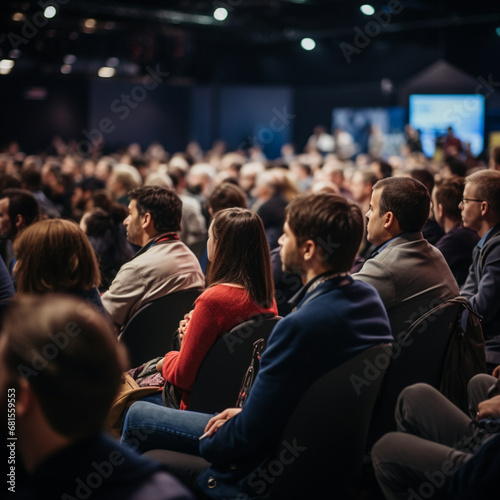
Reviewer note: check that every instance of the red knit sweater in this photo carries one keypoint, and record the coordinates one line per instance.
(216, 311)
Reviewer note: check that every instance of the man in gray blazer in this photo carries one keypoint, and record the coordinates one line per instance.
(410, 274)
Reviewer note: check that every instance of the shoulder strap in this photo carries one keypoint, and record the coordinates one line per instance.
(258, 348)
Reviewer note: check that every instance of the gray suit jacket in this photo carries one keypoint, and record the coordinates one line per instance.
(411, 277)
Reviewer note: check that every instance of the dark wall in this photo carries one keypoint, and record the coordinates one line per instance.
(61, 110)
(125, 112)
(244, 116)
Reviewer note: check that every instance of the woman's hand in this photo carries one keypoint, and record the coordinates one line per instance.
(183, 324)
(159, 365)
(219, 420)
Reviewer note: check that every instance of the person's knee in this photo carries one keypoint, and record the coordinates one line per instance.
(413, 394)
(136, 424)
(382, 450)
(480, 384)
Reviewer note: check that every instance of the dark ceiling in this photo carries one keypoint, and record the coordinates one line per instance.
(259, 42)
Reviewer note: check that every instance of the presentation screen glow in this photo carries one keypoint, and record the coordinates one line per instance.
(432, 114)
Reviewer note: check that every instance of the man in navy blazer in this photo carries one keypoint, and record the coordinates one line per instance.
(481, 212)
(335, 318)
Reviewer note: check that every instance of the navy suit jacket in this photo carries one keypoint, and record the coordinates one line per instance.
(332, 324)
(482, 288)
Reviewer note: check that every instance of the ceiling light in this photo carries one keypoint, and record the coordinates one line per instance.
(220, 14)
(307, 43)
(367, 10)
(106, 72)
(90, 23)
(6, 66)
(50, 12)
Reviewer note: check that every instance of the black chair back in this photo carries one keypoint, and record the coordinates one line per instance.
(222, 372)
(322, 447)
(417, 357)
(150, 330)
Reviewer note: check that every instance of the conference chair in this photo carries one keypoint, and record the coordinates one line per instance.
(231, 365)
(418, 356)
(150, 330)
(329, 428)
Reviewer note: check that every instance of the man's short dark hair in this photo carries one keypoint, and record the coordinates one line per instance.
(32, 178)
(227, 195)
(456, 166)
(68, 353)
(162, 203)
(487, 187)
(21, 202)
(332, 222)
(408, 199)
(449, 194)
(424, 176)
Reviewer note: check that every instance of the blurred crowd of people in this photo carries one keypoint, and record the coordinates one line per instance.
(93, 190)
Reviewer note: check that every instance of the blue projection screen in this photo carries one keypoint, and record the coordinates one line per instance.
(432, 114)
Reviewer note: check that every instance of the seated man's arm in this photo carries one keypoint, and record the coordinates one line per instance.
(126, 290)
(486, 299)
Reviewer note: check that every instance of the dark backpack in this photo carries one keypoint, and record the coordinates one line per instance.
(465, 356)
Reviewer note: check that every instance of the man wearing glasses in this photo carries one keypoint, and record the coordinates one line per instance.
(480, 208)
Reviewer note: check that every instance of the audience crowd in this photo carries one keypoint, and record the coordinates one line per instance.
(350, 249)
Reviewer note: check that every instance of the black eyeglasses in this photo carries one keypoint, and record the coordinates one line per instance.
(463, 200)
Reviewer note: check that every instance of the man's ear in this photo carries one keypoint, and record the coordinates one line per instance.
(308, 250)
(485, 207)
(25, 398)
(19, 221)
(147, 220)
(440, 210)
(389, 220)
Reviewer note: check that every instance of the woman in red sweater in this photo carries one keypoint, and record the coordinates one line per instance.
(240, 286)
